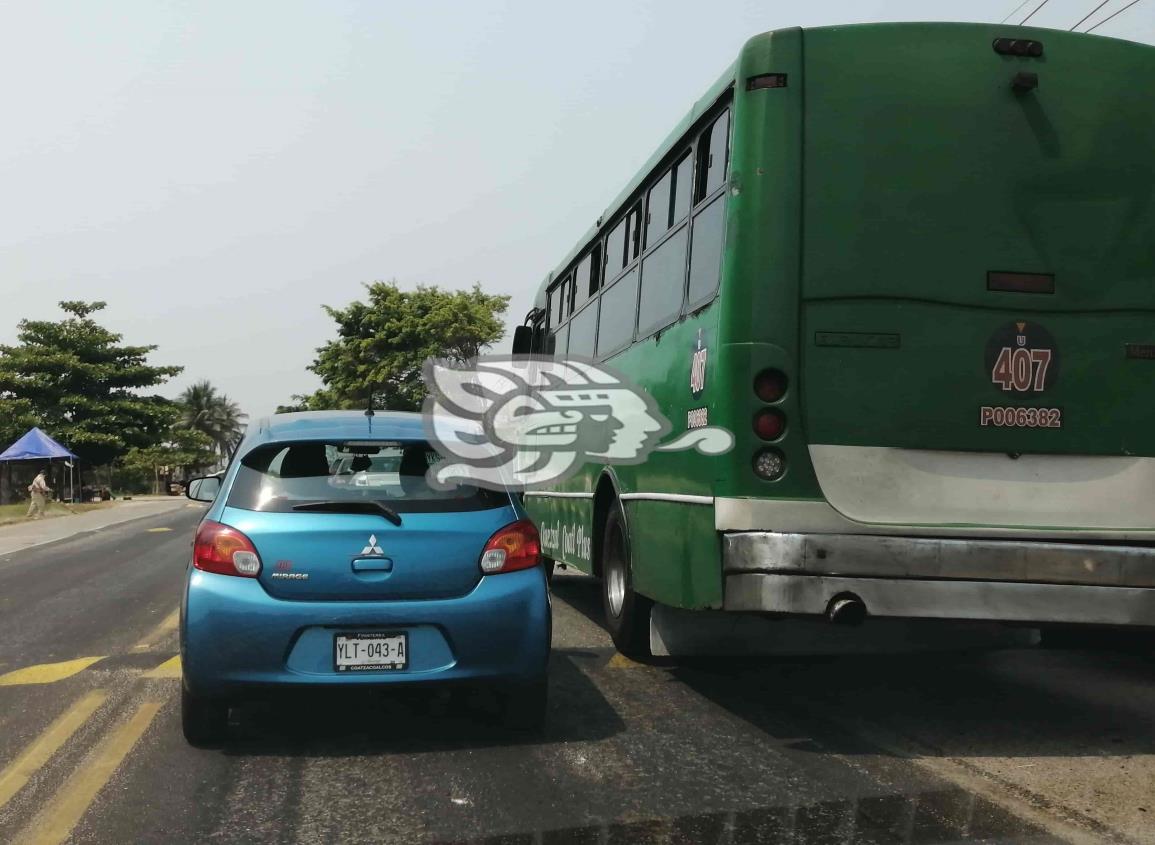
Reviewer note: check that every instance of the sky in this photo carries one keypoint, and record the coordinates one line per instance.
(216, 171)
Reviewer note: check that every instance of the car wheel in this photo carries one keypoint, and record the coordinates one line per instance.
(524, 706)
(203, 720)
(627, 612)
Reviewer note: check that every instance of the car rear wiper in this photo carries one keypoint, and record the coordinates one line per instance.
(371, 506)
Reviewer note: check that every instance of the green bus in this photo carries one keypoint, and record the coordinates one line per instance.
(911, 267)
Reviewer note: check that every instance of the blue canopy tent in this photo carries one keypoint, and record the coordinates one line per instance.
(38, 446)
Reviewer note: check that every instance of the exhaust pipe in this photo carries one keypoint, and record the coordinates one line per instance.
(846, 610)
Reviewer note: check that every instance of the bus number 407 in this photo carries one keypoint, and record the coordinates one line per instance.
(1021, 369)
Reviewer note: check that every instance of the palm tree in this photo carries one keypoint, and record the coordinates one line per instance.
(213, 414)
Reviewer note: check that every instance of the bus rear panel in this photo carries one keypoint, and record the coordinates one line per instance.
(976, 338)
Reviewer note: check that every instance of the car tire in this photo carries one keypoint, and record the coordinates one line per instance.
(627, 612)
(204, 720)
(524, 706)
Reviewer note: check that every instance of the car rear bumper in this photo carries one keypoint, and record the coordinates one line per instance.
(932, 578)
(234, 635)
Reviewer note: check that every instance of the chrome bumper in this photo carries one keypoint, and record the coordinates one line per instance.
(931, 578)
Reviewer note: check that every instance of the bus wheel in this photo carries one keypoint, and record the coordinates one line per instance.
(627, 612)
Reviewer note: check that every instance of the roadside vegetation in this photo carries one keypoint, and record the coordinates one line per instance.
(382, 343)
(98, 396)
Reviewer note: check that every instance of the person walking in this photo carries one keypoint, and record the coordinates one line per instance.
(39, 491)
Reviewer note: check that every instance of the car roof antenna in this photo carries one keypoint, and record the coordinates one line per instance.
(369, 410)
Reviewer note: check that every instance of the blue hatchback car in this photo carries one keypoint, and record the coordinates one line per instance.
(326, 559)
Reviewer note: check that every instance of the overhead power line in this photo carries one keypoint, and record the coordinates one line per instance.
(1115, 15)
(1032, 14)
(1089, 14)
(1015, 12)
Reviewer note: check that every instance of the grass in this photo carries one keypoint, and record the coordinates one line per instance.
(15, 513)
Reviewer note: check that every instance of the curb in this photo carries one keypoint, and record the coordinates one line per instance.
(5, 556)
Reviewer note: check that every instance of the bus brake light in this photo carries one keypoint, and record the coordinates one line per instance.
(769, 423)
(770, 385)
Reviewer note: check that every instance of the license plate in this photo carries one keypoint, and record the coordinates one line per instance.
(370, 652)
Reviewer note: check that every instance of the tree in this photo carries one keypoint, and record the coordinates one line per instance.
(381, 344)
(183, 452)
(213, 415)
(76, 380)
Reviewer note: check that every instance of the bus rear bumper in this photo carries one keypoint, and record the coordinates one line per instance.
(932, 578)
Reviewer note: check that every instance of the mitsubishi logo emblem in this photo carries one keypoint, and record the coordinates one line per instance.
(372, 548)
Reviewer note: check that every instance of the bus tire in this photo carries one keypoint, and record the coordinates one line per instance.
(627, 612)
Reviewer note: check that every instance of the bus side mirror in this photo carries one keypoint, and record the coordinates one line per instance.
(522, 340)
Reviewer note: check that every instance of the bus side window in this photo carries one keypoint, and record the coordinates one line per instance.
(537, 344)
(582, 331)
(622, 245)
(559, 306)
(682, 188)
(713, 155)
(706, 252)
(558, 344)
(616, 251)
(658, 209)
(663, 283)
(634, 233)
(585, 280)
(618, 314)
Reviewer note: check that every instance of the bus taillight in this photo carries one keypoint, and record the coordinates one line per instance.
(769, 464)
(770, 385)
(769, 423)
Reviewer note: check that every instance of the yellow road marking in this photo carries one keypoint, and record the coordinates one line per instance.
(55, 822)
(157, 530)
(13, 778)
(46, 673)
(169, 669)
(158, 633)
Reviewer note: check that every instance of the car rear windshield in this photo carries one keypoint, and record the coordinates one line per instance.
(279, 477)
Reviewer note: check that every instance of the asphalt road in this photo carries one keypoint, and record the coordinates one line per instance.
(1018, 746)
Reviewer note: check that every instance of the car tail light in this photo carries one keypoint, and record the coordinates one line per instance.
(514, 547)
(769, 464)
(225, 551)
(770, 385)
(769, 423)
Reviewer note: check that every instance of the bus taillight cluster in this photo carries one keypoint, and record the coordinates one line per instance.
(769, 424)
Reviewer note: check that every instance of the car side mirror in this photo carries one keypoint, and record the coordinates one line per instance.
(203, 489)
(522, 340)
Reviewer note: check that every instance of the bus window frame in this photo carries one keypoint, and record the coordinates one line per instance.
(594, 301)
(639, 202)
(676, 156)
(690, 308)
(631, 245)
(696, 208)
(539, 338)
(601, 356)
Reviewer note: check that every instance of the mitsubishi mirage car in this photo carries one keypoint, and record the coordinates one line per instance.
(300, 579)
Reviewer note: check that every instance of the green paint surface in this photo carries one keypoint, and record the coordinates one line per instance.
(867, 202)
